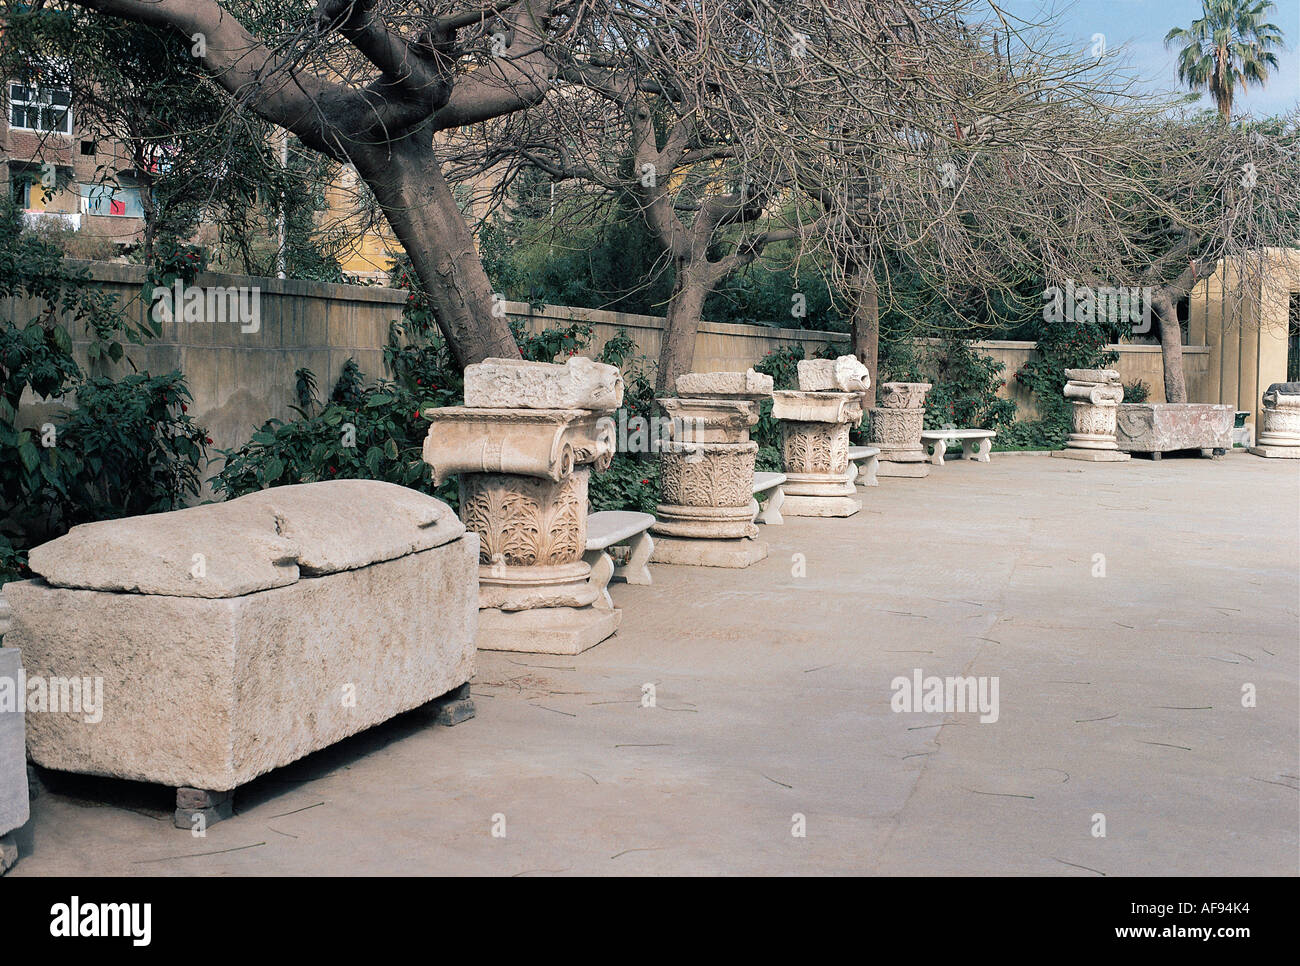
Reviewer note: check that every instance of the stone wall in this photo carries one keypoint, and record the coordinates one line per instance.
(239, 378)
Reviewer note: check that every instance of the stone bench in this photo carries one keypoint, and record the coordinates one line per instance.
(866, 460)
(975, 443)
(774, 485)
(604, 530)
(229, 639)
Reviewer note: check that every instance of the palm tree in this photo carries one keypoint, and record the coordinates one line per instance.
(1230, 45)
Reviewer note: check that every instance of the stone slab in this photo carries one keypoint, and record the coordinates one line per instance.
(210, 693)
(256, 542)
(1092, 455)
(692, 552)
(546, 630)
(13, 749)
(708, 385)
(911, 471)
(515, 384)
(820, 506)
(1277, 452)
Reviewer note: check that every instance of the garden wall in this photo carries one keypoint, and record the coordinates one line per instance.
(240, 378)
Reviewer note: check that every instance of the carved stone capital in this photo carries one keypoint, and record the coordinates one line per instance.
(545, 443)
(903, 395)
(817, 407)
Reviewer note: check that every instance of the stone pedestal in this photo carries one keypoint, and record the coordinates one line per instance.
(707, 473)
(1095, 395)
(815, 427)
(523, 471)
(1279, 423)
(896, 426)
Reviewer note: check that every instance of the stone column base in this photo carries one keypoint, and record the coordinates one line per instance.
(1277, 452)
(908, 469)
(1092, 455)
(820, 506)
(545, 630)
(735, 554)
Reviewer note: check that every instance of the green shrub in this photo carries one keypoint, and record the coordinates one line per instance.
(965, 389)
(630, 483)
(1067, 345)
(1136, 391)
(124, 447)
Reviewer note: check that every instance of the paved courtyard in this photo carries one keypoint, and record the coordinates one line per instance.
(1119, 696)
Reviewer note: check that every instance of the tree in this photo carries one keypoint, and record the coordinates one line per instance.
(1230, 45)
(1214, 197)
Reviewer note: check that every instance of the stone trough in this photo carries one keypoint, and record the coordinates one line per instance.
(1158, 428)
(226, 640)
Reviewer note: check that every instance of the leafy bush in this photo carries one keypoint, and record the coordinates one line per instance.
(124, 447)
(630, 483)
(965, 389)
(1136, 391)
(1067, 345)
(373, 432)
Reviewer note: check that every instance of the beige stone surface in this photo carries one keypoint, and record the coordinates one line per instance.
(210, 693)
(708, 385)
(798, 505)
(844, 374)
(515, 384)
(704, 552)
(820, 407)
(253, 543)
(546, 630)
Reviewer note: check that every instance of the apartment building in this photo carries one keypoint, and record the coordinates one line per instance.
(56, 174)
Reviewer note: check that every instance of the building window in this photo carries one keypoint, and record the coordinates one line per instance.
(47, 110)
(88, 148)
(108, 199)
(29, 187)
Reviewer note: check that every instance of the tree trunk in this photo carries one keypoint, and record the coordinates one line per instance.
(677, 353)
(1171, 347)
(416, 200)
(865, 321)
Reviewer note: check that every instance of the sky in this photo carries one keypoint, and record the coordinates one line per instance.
(1140, 26)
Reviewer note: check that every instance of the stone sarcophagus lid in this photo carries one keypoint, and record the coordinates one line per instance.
(1168, 427)
(1279, 422)
(222, 641)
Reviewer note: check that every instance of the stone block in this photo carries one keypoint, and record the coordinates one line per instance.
(1168, 427)
(210, 692)
(514, 384)
(546, 630)
(845, 374)
(724, 385)
(704, 552)
(13, 751)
